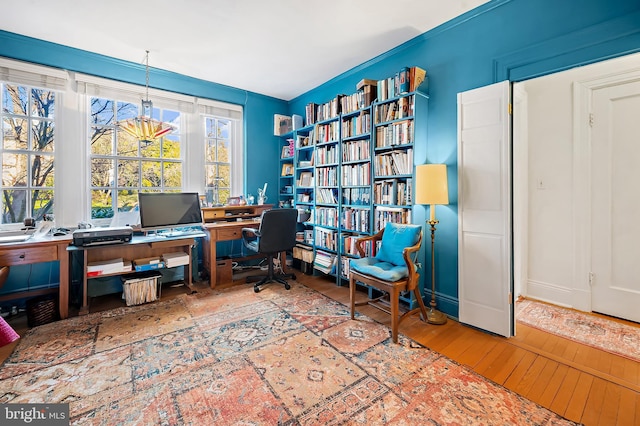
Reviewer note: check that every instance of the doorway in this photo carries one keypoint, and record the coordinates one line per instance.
(574, 228)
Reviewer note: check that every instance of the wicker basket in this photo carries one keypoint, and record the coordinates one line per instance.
(41, 310)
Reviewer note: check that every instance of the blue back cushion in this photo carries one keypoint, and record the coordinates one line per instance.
(396, 238)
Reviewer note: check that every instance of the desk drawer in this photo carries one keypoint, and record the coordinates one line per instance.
(228, 234)
(19, 256)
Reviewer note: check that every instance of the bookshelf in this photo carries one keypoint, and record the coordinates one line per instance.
(287, 170)
(354, 168)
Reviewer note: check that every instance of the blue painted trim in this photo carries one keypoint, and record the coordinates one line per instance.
(28, 49)
(459, 20)
(571, 50)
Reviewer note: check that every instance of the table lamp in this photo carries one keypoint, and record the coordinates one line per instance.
(432, 189)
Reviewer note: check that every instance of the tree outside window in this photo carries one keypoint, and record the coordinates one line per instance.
(28, 140)
(121, 166)
(218, 137)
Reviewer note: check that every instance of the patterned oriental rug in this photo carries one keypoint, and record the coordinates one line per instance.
(235, 357)
(611, 336)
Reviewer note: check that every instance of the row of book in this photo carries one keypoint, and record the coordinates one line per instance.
(327, 176)
(356, 174)
(406, 80)
(400, 133)
(394, 163)
(349, 245)
(326, 238)
(328, 132)
(400, 108)
(356, 125)
(356, 196)
(356, 150)
(326, 216)
(393, 192)
(384, 215)
(327, 195)
(327, 155)
(356, 219)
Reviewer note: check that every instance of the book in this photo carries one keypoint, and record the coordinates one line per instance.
(416, 77)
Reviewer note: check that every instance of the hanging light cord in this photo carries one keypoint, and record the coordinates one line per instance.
(147, 74)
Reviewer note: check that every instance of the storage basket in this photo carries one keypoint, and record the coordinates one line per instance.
(142, 288)
(41, 310)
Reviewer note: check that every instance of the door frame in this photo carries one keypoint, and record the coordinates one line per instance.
(581, 201)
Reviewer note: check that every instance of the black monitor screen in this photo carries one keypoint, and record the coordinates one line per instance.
(169, 209)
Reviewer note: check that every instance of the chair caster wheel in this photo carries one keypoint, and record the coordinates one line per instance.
(287, 287)
(256, 289)
(293, 276)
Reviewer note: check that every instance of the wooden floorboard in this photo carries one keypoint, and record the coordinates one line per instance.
(581, 383)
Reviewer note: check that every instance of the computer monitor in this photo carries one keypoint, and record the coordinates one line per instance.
(165, 210)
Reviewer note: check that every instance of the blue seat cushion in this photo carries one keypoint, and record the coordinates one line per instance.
(395, 239)
(379, 269)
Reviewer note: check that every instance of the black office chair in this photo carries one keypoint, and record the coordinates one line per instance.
(277, 233)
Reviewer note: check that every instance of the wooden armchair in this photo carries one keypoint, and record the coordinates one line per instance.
(391, 271)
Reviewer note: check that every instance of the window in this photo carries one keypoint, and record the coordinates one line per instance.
(218, 146)
(121, 166)
(28, 140)
(42, 108)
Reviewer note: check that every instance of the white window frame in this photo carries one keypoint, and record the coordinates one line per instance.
(72, 195)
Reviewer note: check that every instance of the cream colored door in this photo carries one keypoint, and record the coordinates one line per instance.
(485, 277)
(615, 201)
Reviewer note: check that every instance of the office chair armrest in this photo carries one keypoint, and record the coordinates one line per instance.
(250, 233)
(362, 240)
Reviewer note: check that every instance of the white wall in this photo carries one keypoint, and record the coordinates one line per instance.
(549, 241)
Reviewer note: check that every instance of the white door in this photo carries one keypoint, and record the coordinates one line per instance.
(615, 202)
(485, 277)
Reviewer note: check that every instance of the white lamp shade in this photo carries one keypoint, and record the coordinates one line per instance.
(431, 184)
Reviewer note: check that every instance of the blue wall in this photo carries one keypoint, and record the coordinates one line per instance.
(503, 39)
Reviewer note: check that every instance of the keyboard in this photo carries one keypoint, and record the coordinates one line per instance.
(14, 238)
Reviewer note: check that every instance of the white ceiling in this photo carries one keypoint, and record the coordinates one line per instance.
(280, 48)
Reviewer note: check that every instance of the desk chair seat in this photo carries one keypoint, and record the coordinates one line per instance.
(392, 271)
(277, 234)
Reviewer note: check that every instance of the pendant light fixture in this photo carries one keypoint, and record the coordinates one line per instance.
(144, 128)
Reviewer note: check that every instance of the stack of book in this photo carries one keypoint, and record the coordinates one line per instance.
(171, 260)
(111, 266)
(324, 262)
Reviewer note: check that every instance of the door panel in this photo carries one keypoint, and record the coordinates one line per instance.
(485, 274)
(615, 204)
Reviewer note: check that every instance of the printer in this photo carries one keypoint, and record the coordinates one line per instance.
(98, 236)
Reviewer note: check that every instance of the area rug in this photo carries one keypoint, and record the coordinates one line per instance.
(590, 330)
(235, 357)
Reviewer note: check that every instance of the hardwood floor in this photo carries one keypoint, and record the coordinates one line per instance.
(579, 382)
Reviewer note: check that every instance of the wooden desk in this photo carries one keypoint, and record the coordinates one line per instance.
(221, 231)
(139, 247)
(46, 249)
(232, 213)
